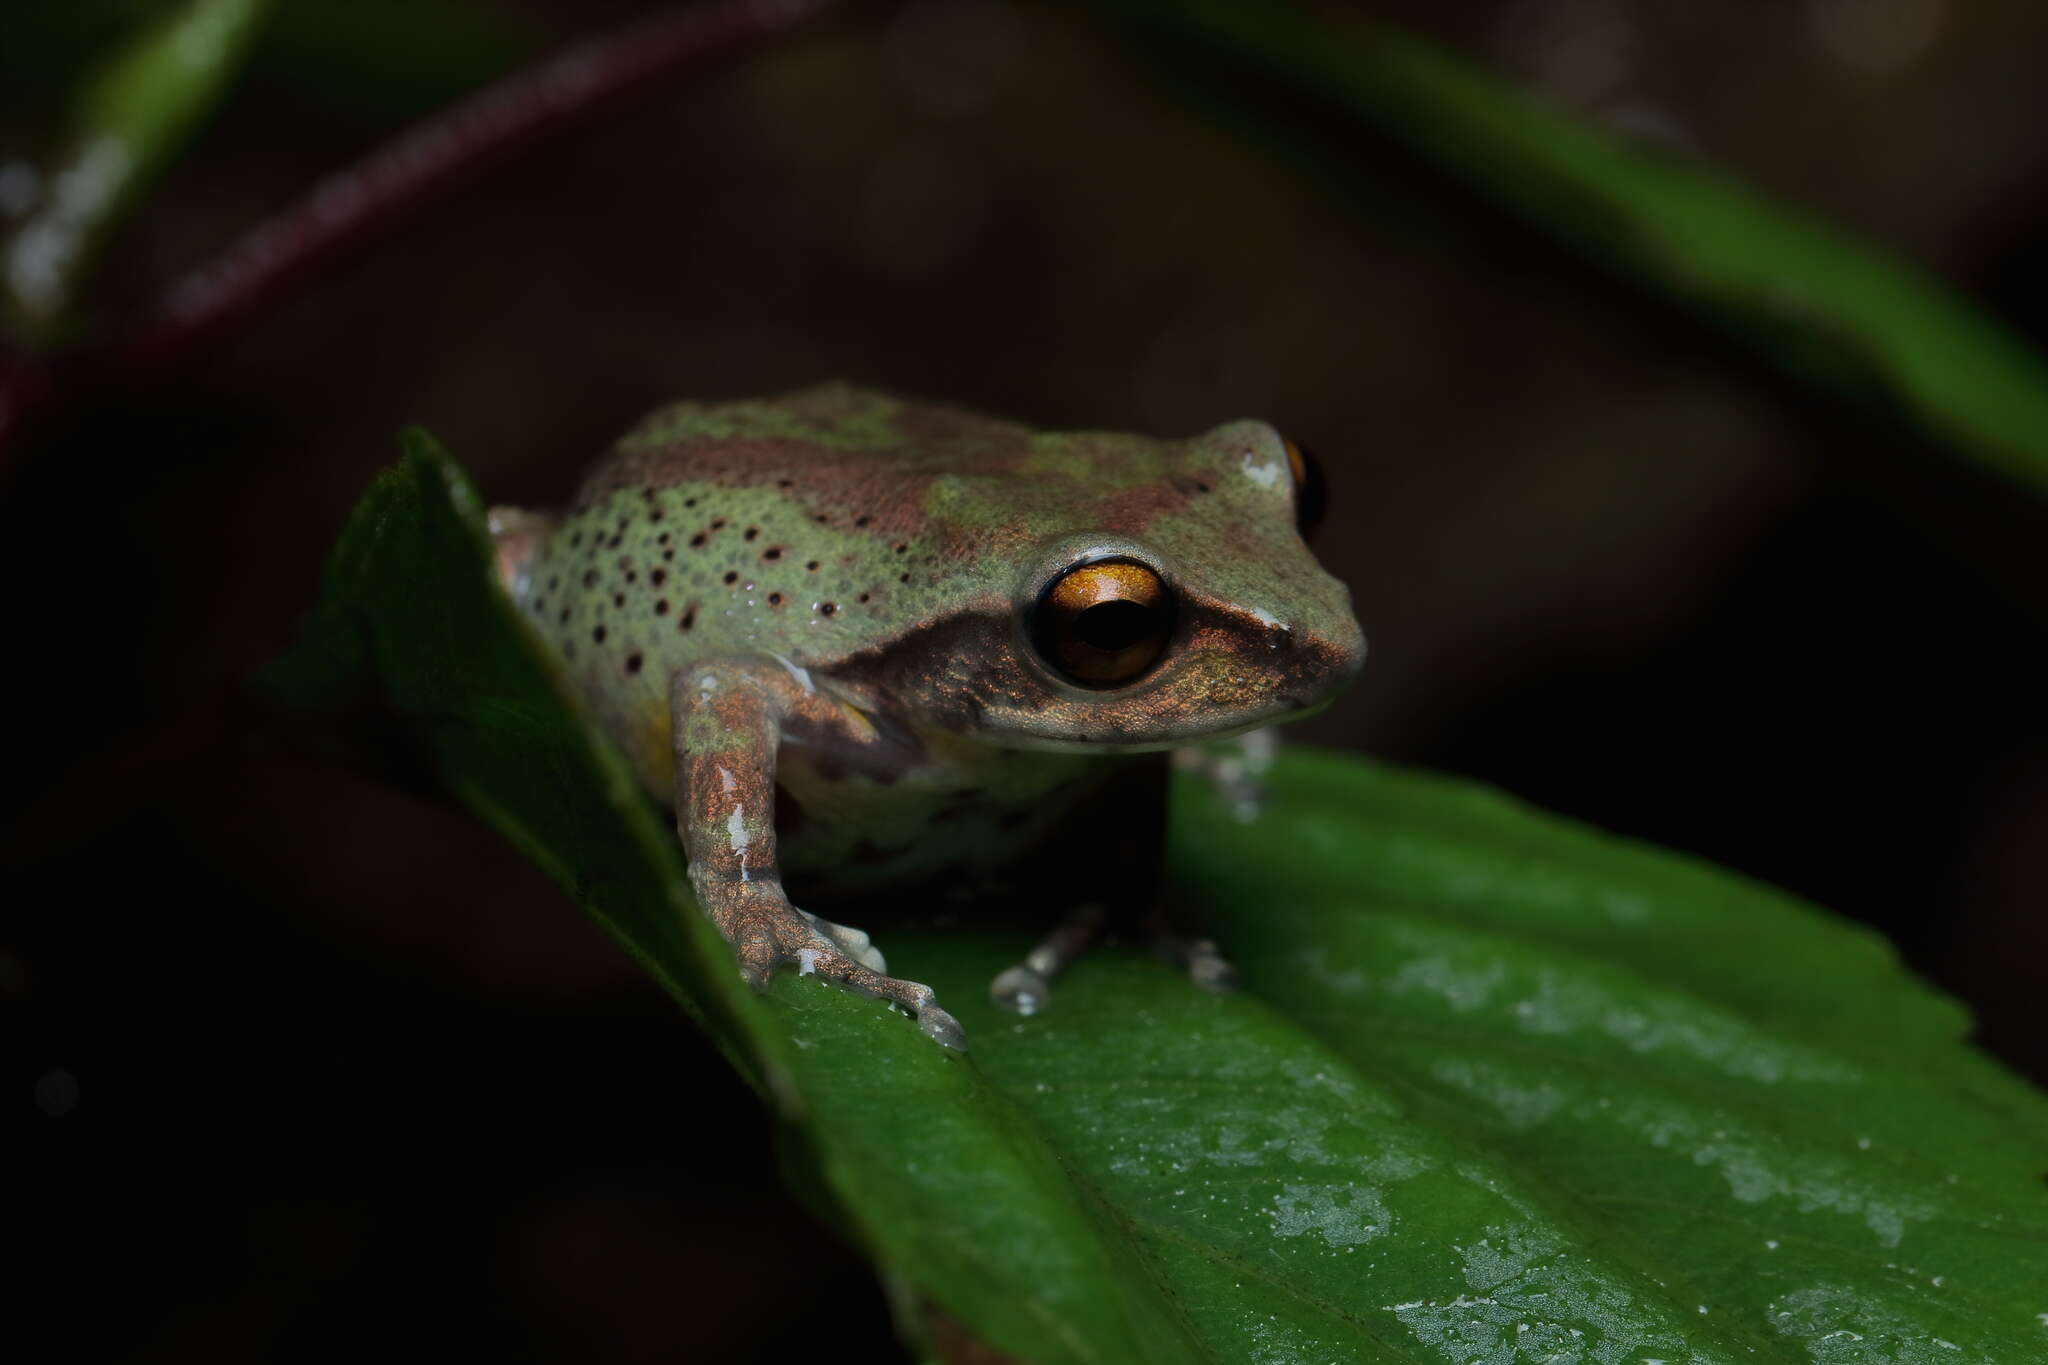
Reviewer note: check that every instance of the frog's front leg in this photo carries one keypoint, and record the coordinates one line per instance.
(1235, 768)
(730, 716)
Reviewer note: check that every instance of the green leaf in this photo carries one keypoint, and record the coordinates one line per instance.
(1498, 1088)
(128, 121)
(1829, 310)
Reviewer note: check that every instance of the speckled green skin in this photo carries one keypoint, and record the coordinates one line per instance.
(861, 568)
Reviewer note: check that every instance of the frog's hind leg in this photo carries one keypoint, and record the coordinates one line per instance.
(1027, 987)
(516, 534)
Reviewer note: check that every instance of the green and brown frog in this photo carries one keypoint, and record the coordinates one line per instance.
(863, 642)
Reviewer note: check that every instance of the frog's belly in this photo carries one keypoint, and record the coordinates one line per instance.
(840, 833)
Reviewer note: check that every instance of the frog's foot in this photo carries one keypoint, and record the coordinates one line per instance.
(855, 943)
(1236, 768)
(1197, 957)
(1027, 987)
(767, 932)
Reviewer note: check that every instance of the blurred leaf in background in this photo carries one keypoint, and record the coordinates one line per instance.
(1830, 311)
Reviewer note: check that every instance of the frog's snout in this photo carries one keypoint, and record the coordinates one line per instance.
(1337, 651)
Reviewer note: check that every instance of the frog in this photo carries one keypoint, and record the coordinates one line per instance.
(860, 642)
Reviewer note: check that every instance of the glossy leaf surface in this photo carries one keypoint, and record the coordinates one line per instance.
(1497, 1089)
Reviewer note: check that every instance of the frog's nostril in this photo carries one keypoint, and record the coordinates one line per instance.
(1279, 634)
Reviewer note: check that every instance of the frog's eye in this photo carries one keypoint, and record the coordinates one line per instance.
(1311, 494)
(1103, 624)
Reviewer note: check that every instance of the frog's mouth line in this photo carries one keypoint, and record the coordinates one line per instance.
(1109, 744)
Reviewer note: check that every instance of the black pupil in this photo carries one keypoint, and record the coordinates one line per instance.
(1111, 626)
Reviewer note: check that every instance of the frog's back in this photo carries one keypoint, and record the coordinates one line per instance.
(793, 527)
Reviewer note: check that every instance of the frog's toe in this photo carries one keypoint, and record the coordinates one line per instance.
(1198, 957)
(855, 943)
(815, 953)
(1020, 990)
(942, 1028)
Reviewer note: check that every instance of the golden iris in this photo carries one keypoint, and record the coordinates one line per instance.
(1104, 624)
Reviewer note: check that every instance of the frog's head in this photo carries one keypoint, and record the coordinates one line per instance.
(1166, 594)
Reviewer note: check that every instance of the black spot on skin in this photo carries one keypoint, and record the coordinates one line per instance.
(697, 541)
(618, 599)
(820, 518)
(623, 522)
(752, 531)
(1201, 487)
(689, 502)
(731, 577)
(632, 577)
(590, 578)
(862, 520)
(864, 596)
(654, 515)
(774, 599)
(575, 540)
(540, 604)
(661, 539)
(661, 607)
(901, 548)
(827, 608)
(613, 542)
(771, 554)
(719, 524)
(564, 618)
(812, 566)
(668, 554)
(785, 483)
(688, 618)
(633, 662)
(647, 493)
(597, 636)
(903, 578)
(658, 577)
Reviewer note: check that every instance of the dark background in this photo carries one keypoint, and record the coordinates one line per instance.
(299, 1066)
